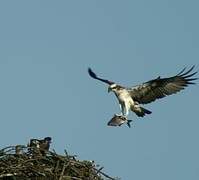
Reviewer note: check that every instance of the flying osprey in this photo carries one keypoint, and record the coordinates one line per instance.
(131, 98)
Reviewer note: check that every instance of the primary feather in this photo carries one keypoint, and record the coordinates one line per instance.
(161, 87)
(93, 75)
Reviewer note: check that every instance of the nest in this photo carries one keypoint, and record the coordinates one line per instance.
(25, 163)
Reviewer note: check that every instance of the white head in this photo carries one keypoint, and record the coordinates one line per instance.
(112, 87)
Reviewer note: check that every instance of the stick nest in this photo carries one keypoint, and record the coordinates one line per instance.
(25, 163)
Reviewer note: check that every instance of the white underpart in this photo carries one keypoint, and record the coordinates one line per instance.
(125, 101)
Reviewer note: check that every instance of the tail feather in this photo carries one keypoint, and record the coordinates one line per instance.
(145, 110)
(141, 112)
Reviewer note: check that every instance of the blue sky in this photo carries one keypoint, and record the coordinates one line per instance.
(46, 47)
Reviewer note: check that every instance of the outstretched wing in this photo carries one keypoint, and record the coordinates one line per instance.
(161, 87)
(93, 75)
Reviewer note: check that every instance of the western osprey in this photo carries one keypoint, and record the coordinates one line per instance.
(40, 145)
(131, 98)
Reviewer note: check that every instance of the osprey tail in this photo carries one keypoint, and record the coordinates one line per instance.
(140, 111)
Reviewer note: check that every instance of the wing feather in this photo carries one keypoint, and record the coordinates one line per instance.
(93, 75)
(161, 87)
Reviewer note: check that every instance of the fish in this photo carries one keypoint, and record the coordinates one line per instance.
(118, 120)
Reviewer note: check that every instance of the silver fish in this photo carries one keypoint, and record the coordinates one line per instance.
(118, 120)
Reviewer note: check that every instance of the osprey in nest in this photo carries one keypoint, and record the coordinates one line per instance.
(132, 98)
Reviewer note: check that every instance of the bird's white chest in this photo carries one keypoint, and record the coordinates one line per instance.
(123, 95)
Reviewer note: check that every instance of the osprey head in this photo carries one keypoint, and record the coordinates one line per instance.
(47, 139)
(112, 87)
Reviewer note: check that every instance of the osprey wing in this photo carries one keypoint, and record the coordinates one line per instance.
(93, 75)
(161, 87)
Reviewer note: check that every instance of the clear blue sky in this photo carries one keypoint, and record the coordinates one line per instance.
(45, 49)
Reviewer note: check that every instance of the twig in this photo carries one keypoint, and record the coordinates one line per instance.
(105, 175)
(63, 169)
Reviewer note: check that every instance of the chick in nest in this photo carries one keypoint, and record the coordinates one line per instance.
(40, 145)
